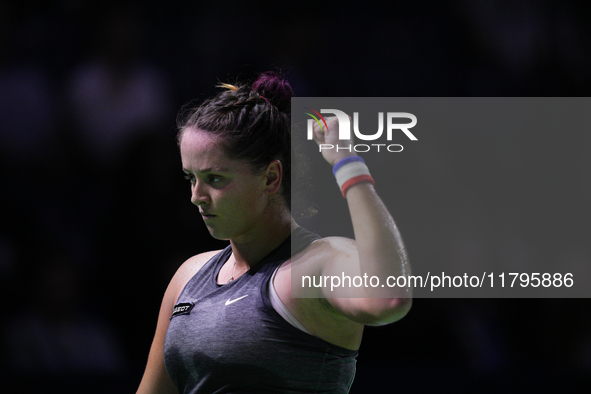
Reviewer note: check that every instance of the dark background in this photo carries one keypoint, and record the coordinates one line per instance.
(95, 213)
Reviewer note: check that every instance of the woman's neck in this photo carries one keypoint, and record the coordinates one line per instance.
(274, 229)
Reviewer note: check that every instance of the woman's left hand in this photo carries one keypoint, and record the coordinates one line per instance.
(333, 149)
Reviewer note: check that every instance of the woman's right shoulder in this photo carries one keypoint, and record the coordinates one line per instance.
(187, 270)
(155, 379)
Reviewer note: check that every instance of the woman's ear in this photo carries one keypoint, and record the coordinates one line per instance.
(273, 175)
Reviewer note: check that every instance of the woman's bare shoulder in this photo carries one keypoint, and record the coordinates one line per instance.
(188, 269)
(194, 264)
(323, 252)
(331, 245)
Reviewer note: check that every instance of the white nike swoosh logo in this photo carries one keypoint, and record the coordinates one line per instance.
(237, 299)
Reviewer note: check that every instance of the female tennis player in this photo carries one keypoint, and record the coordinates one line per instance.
(228, 322)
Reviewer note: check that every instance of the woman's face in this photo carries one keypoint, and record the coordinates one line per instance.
(230, 197)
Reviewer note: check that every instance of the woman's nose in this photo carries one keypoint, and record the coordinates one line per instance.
(198, 194)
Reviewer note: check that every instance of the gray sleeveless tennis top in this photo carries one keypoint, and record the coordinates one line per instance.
(230, 339)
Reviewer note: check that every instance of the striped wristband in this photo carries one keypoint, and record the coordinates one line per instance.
(351, 171)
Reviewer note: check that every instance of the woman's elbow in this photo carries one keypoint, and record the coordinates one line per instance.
(382, 311)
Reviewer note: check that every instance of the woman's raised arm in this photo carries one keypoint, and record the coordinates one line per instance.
(378, 249)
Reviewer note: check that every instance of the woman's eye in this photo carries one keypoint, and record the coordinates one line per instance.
(190, 178)
(214, 179)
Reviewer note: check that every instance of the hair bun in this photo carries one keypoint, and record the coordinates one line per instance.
(275, 89)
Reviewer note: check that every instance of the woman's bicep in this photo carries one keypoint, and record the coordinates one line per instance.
(156, 379)
(353, 290)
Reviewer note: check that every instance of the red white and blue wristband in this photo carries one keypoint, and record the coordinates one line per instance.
(351, 171)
